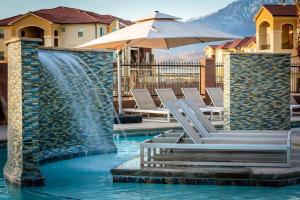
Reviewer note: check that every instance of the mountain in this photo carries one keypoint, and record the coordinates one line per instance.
(236, 18)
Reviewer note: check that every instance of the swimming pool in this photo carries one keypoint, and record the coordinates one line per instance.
(89, 178)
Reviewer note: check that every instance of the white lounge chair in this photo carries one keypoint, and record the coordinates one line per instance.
(146, 105)
(211, 151)
(192, 94)
(216, 96)
(293, 105)
(165, 94)
(202, 124)
(224, 146)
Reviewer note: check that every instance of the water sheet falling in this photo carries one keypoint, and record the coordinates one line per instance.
(83, 93)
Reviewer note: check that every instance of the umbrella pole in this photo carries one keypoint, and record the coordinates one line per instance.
(119, 82)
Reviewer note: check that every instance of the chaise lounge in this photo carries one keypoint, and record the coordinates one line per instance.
(146, 105)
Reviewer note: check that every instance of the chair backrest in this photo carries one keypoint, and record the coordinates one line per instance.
(216, 95)
(166, 94)
(143, 99)
(184, 123)
(208, 125)
(293, 100)
(193, 95)
(193, 118)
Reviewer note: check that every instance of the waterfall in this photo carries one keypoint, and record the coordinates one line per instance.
(80, 86)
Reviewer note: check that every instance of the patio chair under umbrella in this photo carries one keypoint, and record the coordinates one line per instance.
(156, 30)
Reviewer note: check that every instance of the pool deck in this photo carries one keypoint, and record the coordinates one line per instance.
(131, 172)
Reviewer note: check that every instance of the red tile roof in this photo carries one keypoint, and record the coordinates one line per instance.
(65, 15)
(246, 42)
(282, 10)
(238, 43)
(224, 45)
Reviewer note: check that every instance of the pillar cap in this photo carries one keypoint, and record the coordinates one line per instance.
(17, 39)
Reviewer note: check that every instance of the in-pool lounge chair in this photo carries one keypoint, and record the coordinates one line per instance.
(202, 149)
(216, 96)
(193, 95)
(145, 105)
(202, 124)
(293, 105)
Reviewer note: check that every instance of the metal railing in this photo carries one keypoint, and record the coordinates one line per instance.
(175, 75)
(295, 77)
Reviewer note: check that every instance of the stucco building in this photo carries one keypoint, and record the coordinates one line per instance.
(247, 44)
(276, 29)
(58, 27)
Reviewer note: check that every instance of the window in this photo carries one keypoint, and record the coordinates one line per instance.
(102, 31)
(23, 34)
(63, 29)
(1, 55)
(80, 32)
(1, 33)
(287, 36)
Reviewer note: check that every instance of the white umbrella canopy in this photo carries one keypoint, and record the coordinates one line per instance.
(157, 30)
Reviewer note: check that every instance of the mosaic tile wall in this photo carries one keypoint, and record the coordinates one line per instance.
(256, 91)
(39, 125)
(59, 130)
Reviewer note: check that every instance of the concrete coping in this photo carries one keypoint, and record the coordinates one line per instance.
(17, 39)
(75, 49)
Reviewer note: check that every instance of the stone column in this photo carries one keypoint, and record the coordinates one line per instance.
(257, 91)
(22, 167)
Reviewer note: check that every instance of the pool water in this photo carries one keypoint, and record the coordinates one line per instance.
(90, 178)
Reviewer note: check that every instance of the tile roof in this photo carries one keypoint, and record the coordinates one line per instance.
(238, 43)
(282, 10)
(224, 45)
(246, 42)
(65, 15)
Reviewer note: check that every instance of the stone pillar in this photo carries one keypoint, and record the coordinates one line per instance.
(257, 91)
(208, 75)
(22, 167)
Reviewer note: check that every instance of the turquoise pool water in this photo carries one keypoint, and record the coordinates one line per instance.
(89, 178)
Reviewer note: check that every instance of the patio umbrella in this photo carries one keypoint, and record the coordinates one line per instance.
(156, 30)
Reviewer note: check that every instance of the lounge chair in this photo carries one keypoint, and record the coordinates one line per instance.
(166, 94)
(200, 149)
(293, 105)
(192, 94)
(202, 124)
(216, 96)
(146, 105)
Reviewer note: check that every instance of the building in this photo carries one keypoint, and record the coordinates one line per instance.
(247, 44)
(276, 29)
(58, 27)
(210, 51)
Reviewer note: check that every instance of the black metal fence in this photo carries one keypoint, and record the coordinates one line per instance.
(295, 77)
(175, 75)
(219, 75)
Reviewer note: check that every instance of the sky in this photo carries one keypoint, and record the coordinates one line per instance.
(127, 9)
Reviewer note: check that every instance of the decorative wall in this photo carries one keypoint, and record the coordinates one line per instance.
(41, 126)
(256, 91)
